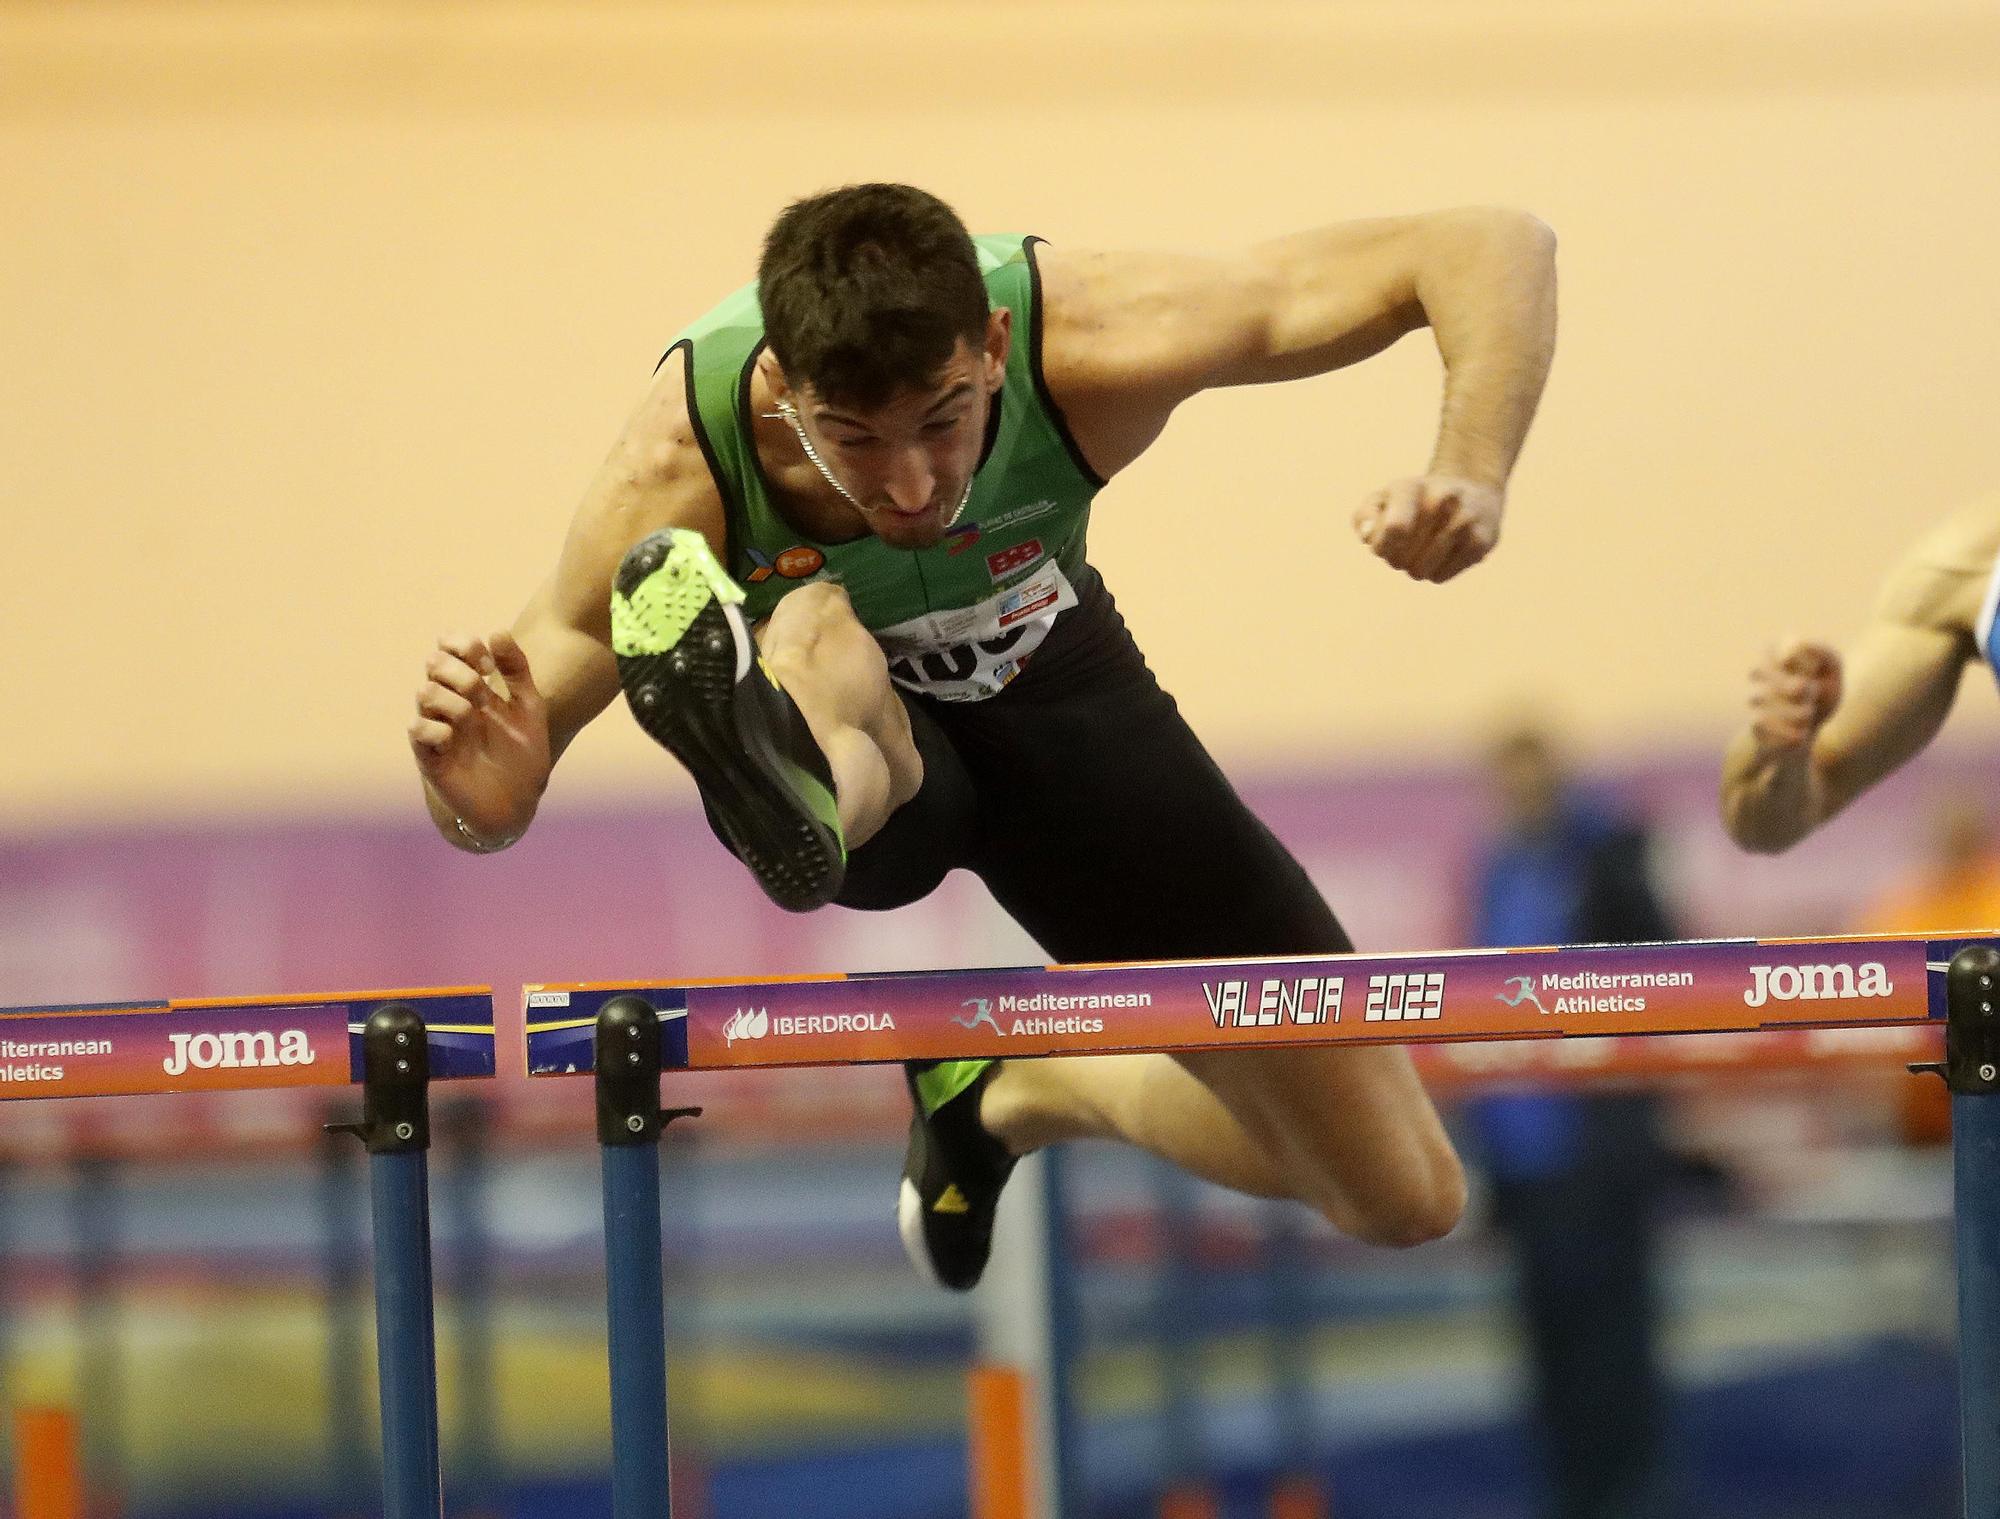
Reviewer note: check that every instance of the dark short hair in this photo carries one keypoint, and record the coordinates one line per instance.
(867, 290)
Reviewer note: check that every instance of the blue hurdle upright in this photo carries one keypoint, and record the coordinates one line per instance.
(1972, 1070)
(379, 1039)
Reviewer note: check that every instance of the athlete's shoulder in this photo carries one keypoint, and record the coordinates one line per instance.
(1084, 288)
(657, 473)
(1144, 323)
(661, 438)
(1941, 582)
(737, 316)
(1966, 540)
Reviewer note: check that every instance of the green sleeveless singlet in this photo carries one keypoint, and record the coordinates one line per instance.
(958, 619)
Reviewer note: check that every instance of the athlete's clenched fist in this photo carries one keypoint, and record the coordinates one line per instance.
(1433, 526)
(1794, 689)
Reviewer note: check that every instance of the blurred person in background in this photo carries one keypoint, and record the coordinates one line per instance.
(1825, 726)
(1955, 888)
(1576, 1177)
(880, 459)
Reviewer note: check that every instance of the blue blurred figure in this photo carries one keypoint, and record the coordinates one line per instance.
(1577, 1176)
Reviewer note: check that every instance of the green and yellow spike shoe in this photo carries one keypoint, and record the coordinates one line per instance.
(952, 1172)
(693, 679)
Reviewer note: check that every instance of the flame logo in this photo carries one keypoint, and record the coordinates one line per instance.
(747, 1023)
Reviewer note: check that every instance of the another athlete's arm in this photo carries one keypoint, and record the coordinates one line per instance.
(495, 714)
(1131, 336)
(1823, 730)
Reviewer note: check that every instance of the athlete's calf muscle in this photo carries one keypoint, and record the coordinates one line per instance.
(835, 671)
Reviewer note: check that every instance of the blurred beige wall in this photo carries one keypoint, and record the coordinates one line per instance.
(315, 319)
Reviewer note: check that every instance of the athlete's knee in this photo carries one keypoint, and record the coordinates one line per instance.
(816, 598)
(818, 648)
(813, 615)
(1433, 1206)
(1422, 1202)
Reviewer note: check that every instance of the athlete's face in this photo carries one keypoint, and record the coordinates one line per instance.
(908, 461)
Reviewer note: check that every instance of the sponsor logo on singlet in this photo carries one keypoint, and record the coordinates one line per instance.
(799, 562)
(1014, 516)
(1008, 563)
(962, 537)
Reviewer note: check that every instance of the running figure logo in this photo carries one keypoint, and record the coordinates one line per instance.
(1524, 991)
(983, 1014)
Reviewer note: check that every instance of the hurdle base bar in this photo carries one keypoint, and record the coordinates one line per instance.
(626, 1060)
(396, 1129)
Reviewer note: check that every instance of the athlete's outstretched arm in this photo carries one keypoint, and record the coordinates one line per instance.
(1823, 729)
(494, 714)
(1131, 336)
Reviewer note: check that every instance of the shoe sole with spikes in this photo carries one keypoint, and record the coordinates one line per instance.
(695, 683)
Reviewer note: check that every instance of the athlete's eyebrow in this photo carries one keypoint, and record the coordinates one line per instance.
(841, 419)
(951, 397)
(828, 417)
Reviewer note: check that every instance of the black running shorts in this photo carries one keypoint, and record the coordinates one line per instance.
(1093, 814)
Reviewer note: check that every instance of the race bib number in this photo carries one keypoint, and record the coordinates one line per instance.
(972, 653)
